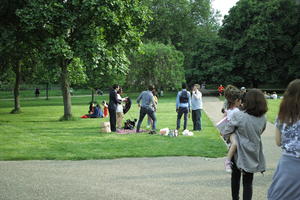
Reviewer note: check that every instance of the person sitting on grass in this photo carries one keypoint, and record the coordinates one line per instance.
(97, 112)
(105, 109)
(94, 112)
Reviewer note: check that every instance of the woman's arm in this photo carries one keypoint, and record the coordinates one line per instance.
(277, 137)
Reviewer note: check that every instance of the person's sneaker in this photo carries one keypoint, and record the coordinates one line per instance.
(228, 165)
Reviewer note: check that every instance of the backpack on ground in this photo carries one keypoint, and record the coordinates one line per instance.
(183, 98)
(130, 124)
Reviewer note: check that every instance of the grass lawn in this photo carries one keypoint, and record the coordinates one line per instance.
(36, 134)
(273, 106)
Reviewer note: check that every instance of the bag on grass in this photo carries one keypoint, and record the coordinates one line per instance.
(129, 124)
(105, 127)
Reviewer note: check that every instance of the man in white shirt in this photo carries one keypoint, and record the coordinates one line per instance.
(197, 106)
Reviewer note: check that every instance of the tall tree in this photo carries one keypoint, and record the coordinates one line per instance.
(15, 45)
(265, 37)
(94, 31)
(158, 64)
(182, 23)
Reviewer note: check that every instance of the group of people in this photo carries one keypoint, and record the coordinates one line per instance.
(115, 107)
(185, 102)
(244, 112)
(245, 123)
(147, 101)
(95, 111)
(271, 96)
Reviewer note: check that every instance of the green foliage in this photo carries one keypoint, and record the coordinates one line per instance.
(183, 24)
(265, 38)
(84, 39)
(257, 44)
(158, 64)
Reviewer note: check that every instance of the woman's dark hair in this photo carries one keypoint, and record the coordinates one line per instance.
(115, 86)
(154, 92)
(289, 111)
(120, 91)
(255, 103)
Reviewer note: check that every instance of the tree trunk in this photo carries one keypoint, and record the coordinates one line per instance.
(65, 87)
(17, 70)
(47, 91)
(93, 96)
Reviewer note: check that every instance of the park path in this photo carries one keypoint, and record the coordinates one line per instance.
(162, 178)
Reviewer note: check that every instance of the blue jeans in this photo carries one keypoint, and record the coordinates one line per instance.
(182, 111)
(151, 114)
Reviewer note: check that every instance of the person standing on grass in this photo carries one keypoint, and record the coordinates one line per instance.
(147, 107)
(248, 125)
(150, 121)
(183, 106)
(197, 106)
(286, 180)
(112, 107)
(119, 111)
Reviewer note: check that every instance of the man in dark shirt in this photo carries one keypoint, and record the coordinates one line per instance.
(112, 107)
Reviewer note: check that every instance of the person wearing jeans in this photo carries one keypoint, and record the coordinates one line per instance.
(147, 106)
(183, 105)
(196, 107)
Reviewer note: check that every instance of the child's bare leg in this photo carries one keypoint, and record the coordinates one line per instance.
(232, 148)
(230, 154)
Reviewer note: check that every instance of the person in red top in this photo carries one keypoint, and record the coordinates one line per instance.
(105, 109)
(221, 90)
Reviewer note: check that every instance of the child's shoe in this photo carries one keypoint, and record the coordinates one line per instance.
(228, 165)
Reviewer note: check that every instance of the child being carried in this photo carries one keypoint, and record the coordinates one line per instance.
(233, 102)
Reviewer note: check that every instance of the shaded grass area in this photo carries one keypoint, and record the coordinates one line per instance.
(36, 134)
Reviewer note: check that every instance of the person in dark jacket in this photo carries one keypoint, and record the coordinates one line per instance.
(112, 107)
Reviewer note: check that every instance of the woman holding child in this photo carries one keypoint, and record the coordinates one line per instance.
(247, 125)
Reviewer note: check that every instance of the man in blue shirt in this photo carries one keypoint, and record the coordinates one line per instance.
(147, 107)
(183, 105)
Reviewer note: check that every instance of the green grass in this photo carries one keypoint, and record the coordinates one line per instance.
(37, 134)
(273, 106)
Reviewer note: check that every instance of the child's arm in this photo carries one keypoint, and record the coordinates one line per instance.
(232, 124)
